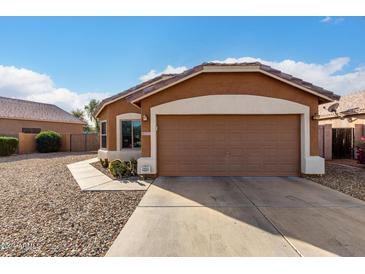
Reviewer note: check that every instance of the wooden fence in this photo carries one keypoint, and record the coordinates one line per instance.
(325, 141)
(339, 143)
(69, 142)
(84, 142)
(343, 146)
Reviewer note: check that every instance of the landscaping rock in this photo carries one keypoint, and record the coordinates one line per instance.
(347, 179)
(44, 213)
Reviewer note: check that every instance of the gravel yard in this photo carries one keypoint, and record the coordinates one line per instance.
(44, 213)
(347, 179)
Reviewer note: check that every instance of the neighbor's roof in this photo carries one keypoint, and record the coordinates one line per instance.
(351, 104)
(27, 110)
(159, 83)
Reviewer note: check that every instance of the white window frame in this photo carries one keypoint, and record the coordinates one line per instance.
(101, 134)
(121, 133)
(126, 117)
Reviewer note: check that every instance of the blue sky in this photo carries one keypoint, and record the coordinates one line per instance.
(82, 57)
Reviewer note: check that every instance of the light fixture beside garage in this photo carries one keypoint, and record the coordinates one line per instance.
(144, 118)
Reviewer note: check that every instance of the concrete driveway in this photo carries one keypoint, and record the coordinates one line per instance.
(243, 216)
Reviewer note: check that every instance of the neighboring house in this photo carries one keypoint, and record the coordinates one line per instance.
(343, 126)
(20, 116)
(216, 119)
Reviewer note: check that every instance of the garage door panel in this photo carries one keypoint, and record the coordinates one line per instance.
(228, 145)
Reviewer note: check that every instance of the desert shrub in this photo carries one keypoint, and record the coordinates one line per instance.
(120, 168)
(8, 145)
(104, 163)
(48, 141)
(117, 168)
(132, 164)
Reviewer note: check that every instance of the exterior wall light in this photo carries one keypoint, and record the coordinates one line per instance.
(144, 118)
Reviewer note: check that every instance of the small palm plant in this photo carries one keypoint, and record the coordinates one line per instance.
(90, 111)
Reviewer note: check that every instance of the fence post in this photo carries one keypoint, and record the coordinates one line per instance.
(358, 133)
(321, 140)
(85, 137)
(327, 136)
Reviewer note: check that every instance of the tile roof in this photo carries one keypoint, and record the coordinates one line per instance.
(131, 90)
(284, 76)
(353, 103)
(27, 110)
(165, 80)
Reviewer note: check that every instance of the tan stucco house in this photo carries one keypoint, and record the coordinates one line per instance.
(22, 116)
(341, 124)
(215, 119)
(349, 112)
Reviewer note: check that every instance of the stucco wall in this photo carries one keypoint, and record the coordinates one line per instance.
(231, 83)
(346, 122)
(12, 127)
(242, 104)
(109, 114)
(27, 143)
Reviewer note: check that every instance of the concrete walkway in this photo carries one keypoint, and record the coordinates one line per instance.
(243, 216)
(91, 179)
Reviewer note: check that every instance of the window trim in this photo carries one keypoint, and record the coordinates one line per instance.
(32, 130)
(101, 134)
(130, 116)
(121, 134)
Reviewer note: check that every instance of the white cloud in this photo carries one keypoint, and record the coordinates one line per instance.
(333, 20)
(169, 69)
(30, 85)
(329, 75)
(327, 19)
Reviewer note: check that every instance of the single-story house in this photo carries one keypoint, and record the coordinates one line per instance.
(215, 119)
(21, 116)
(349, 112)
(341, 125)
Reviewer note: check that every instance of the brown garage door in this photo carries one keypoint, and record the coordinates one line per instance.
(228, 145)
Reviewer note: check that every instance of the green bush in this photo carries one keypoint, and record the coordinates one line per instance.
(132, 167)
(48, 141)
(8, 145)
(117, 168)
(120, 168)
(104, 163)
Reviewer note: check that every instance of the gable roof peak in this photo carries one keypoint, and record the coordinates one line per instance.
(164, 81)
(326, 95)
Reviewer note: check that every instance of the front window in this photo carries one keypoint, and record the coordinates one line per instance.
(103, 134)
(31, 130)
(131, 133)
